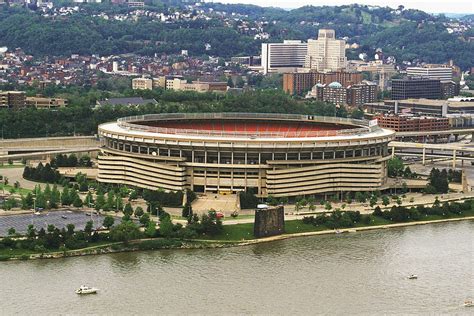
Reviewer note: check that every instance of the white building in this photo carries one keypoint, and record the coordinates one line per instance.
(283, 57)
(326, 53)
(444, 74)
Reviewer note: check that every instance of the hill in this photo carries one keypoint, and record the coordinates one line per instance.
(229, 29)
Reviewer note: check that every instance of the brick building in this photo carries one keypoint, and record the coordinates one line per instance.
(298, 83)
(353, 95)
(410, 123)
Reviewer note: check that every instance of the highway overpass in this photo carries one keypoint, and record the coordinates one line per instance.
(45, 147)
(423, 150)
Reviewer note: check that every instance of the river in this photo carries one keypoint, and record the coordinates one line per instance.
(354, 273)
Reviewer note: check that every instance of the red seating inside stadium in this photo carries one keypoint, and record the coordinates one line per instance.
(269, 128)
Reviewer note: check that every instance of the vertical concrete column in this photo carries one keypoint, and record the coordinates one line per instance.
(393, 151)
(454, 158)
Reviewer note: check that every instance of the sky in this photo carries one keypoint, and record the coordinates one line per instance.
(432, 6)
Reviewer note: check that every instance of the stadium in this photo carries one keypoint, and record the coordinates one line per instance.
(281, 155)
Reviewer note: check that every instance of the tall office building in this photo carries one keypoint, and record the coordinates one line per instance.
(416, 88)
(326, 53)
(283, 57)
(443, 74)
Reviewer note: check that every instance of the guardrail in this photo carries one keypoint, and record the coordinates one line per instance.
(128, 123)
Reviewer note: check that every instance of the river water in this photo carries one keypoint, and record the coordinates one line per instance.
(355, 273)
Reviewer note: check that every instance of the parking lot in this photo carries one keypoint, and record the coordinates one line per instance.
(57, 218)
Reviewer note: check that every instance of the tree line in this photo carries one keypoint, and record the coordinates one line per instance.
(83, 120)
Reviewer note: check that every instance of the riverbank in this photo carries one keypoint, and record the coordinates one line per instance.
(162, 243)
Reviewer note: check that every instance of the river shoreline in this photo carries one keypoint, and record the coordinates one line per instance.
(134, 245)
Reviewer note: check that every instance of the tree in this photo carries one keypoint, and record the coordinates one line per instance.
(77, 202)
(47, 192)
(125, 231)
(108, 221)
(110, 204)
(100, 203)
(373, 200)
(166, 227)
(128, 210)
(27, 201)
(89, 200)
(438, 181)
(145, 219)
(65, 197)
(133, 195)
(89, 227)
(139, 211)
(11, 231)
(55, 197)
(395, 167)
(377, 211)
(385, 200)
(297, 207)
(150, 230)
(230, 83)
(360, 197)
(70, 229)
(187, 210)
(328, 206)
(31, 232)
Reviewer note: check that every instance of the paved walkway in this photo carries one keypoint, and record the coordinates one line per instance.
(222, 203)
(16, 174)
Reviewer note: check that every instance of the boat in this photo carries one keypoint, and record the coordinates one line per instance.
(86, 290)
(64, 216)
(468, 304)
(37, 213)
(412, 277)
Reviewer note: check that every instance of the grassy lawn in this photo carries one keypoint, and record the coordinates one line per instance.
(12, 166)
(240, 232)
(8, 187)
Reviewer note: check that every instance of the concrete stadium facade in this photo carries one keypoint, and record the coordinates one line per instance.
(271, 154)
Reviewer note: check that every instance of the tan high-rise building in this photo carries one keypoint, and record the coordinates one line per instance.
(326, 53)
(142, 84)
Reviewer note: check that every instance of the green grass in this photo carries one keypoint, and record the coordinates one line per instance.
(8, 187)
(240, 232)
(12, 166)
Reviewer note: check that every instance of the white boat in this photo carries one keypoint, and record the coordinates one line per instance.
(37, 213)
(412, 277)
(468, 304)
(86, 290)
